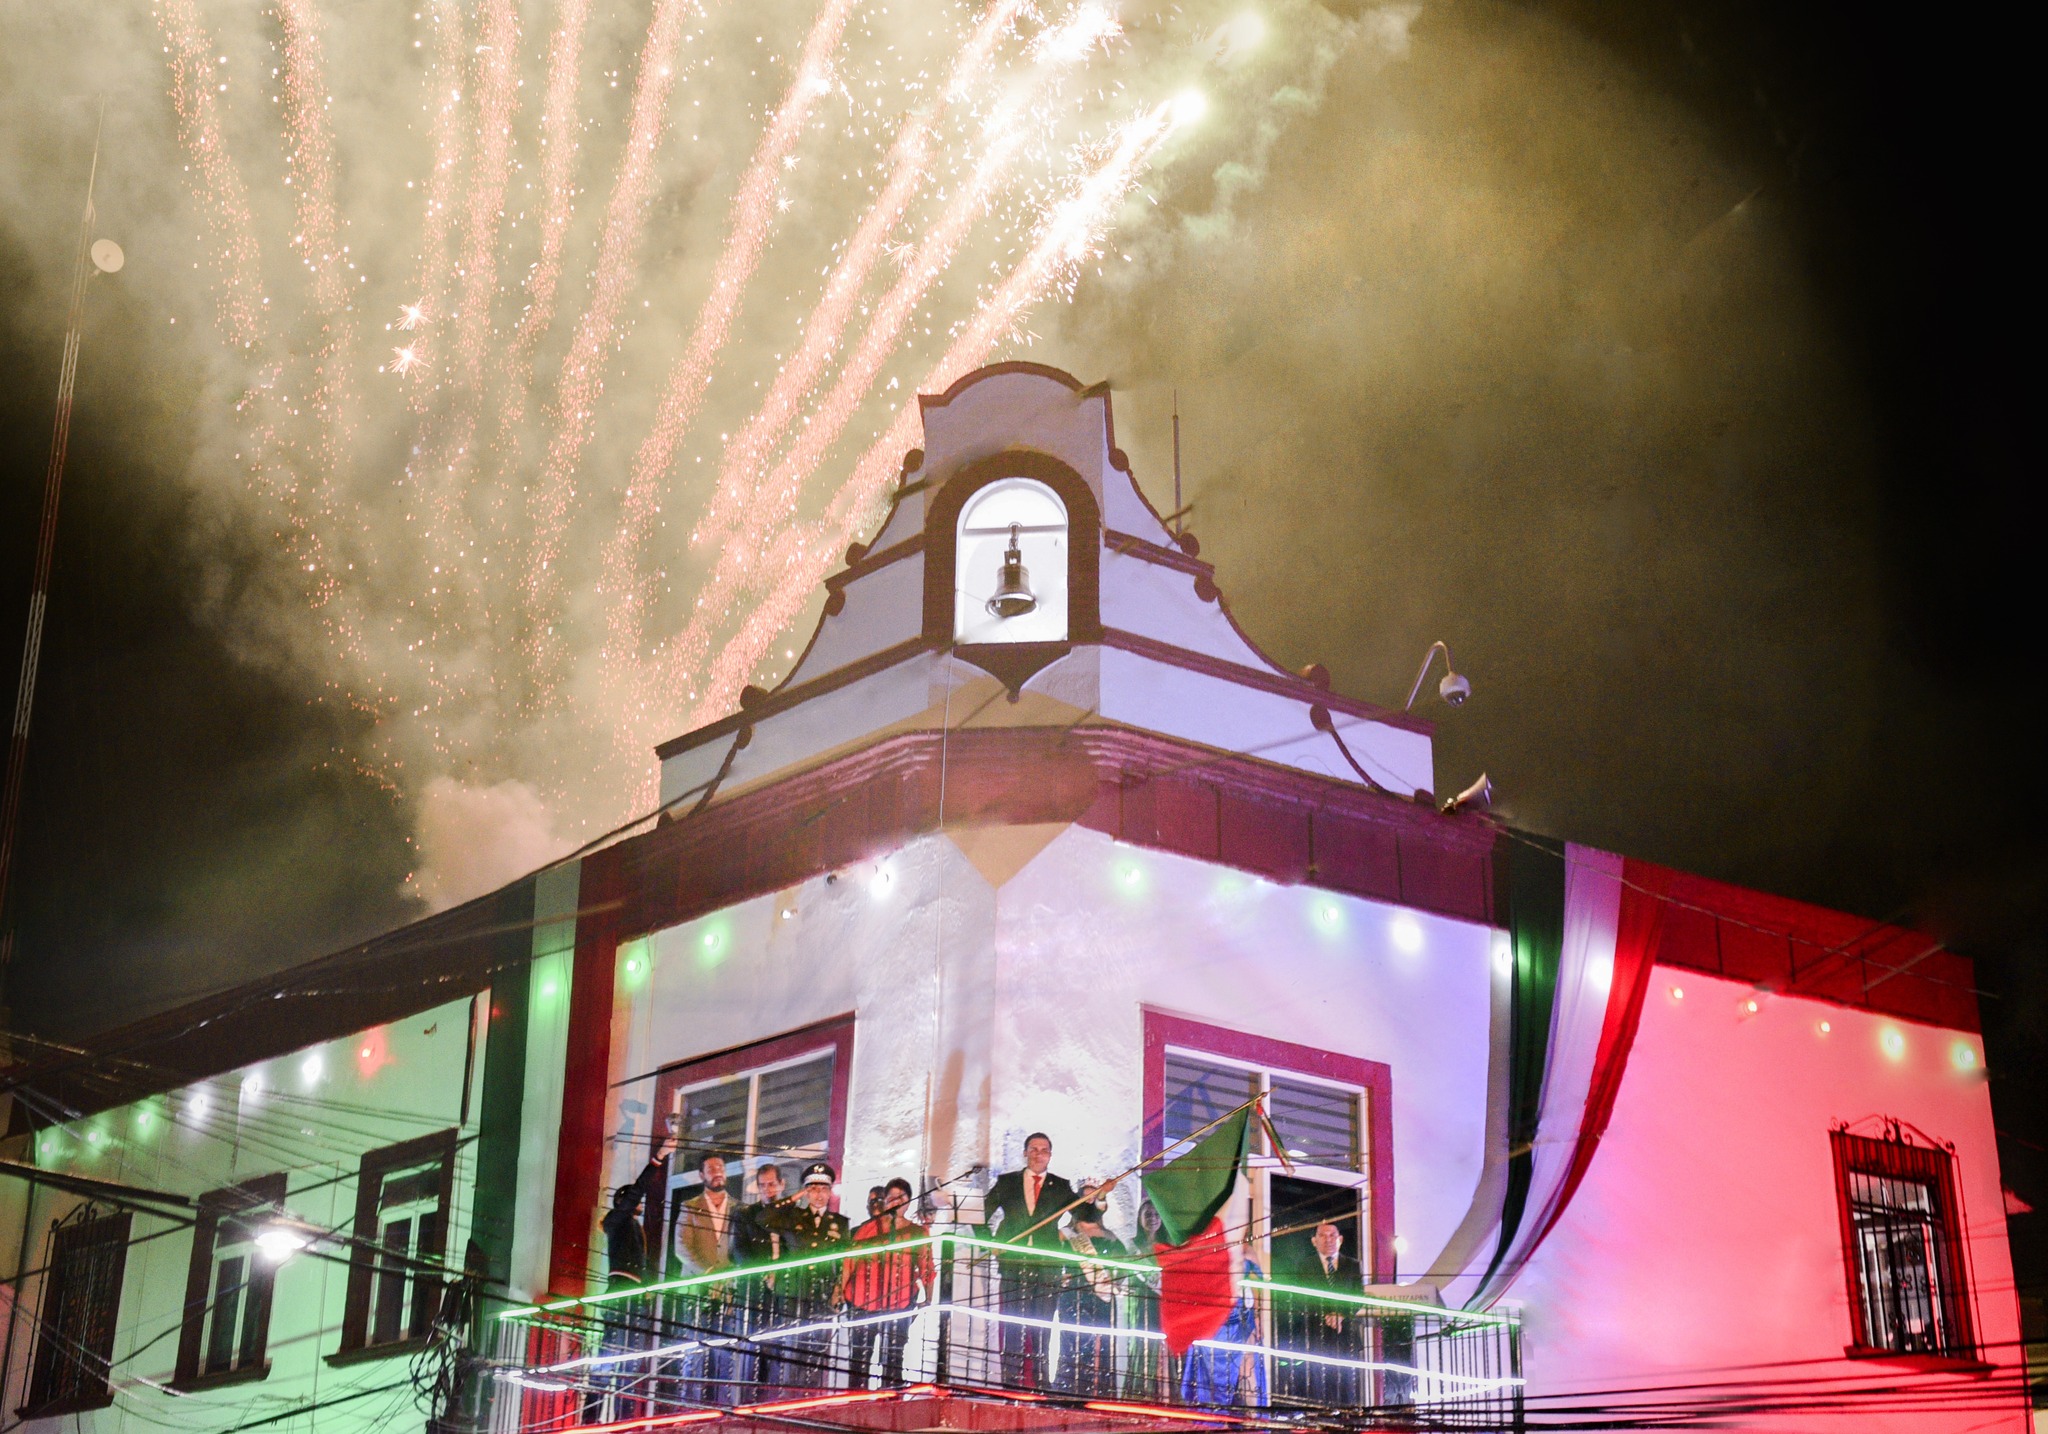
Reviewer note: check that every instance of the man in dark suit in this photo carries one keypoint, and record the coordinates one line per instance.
(1023, 1208)
(1324, 1327)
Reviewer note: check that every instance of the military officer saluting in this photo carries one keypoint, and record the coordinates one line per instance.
(808, 1229)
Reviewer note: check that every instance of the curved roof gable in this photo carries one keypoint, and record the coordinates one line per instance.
(1150, 645)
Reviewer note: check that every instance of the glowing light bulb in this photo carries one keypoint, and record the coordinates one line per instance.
(1750, 1006)
(1892, 1041)
(1963, 1056)
(278, 1243)
(1824, 1027)
(879, 885)
(711, 939)
(1400, 1244)
(1678, 993)
(1406, 933)
(310, 1068)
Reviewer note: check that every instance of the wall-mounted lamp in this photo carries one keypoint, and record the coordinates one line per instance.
(1454, 689)
(282, 1236)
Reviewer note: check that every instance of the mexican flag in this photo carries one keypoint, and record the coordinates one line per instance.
(1197, 1285)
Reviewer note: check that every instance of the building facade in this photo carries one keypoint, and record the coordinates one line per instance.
(1033, 839)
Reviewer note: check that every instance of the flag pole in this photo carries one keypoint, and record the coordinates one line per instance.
(1111, 1183)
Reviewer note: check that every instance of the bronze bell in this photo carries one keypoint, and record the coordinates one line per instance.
(1013, 596)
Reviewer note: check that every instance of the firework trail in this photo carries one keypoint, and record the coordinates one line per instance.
(558, 201)
(497, 100)
(773, 503)
(582, 380)
(559, 150)
(1067, 238)
(908, 158)
(239, 301)
(223, 199)
(446, 598)
(751, 448)
(753, 212)
(311, 150)
(446, 473)
(444, 91)
(431, 493)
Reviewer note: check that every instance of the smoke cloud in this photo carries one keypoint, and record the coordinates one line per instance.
(475, 839)
(1481, 331)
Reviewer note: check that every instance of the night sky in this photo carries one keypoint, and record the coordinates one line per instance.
(1668, 360)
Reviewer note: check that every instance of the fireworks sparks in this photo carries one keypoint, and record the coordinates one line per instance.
(494, 545)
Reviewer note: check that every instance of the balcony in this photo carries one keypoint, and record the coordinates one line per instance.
(999, 1339)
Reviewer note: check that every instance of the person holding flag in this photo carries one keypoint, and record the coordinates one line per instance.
(1201, 1271)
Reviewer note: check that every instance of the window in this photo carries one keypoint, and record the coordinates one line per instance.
(1902, 1244)
(1029, 515)
(401, 1233)
(781, 1101)
(1330, 1111)
(227, 1293)
(780, 1113)
(88, 1254)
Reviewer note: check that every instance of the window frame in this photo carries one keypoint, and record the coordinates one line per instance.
(366, 1232)
(65, 1239)
(834, 1034)
(1372, 1079)
(1892, 1156)
(216, 1208)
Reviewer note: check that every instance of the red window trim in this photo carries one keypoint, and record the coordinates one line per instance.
(1853, 1153)
(215, 1208)
(834, 1034)
(1375, 1078)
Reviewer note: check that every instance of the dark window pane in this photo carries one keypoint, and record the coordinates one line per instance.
(714, 1121)
(795, 1107)
(228, 1279)
(1316, 1124)
(388, 1322)
(424, 1287)
(1198, 1092)
(255, 1318)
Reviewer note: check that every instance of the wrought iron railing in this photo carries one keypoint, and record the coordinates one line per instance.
(994, 1322)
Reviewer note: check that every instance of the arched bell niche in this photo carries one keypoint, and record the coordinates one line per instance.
(1010, 564)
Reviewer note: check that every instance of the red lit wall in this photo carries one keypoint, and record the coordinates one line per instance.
(1705, 1245)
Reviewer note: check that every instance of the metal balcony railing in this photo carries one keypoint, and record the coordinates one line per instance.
(994, 1322)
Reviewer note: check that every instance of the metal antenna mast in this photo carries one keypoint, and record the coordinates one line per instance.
(1177, 509)
(90, 256)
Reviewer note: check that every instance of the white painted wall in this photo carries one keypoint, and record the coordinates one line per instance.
(1038, 989)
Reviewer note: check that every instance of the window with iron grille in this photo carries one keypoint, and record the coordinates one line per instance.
(403, 1200)
(1902, 1242)
(81, 1301)
(227, 1292)
(1318, 1124)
